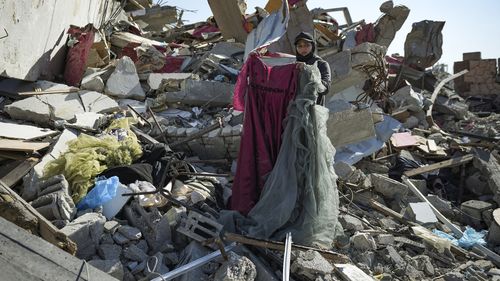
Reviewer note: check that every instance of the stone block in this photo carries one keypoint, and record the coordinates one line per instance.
(350, 126)
(86, 232)
(311, 264)
(421, 212)
(444, 207)
(111, 267)
(236, 268)
(131, 233)
(111, 226)
(175, 79)
(473, 210)
(134, 253)
(351, 223)
(124, 81)
(471, 56)
(109, 251)
(199, 93)
(120, 238)
(388, 187)
(384, 239)
(92, 83)
(363, 242)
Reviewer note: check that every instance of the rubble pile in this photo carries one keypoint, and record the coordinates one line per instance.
(131, 154)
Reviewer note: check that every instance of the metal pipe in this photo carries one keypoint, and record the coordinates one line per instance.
(193, 265)
(286, 257)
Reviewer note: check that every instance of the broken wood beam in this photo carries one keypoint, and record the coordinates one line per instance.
(16, 174)
(329, 255)
(44, 227)
(457, 161)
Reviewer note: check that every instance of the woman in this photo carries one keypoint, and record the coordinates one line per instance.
(304, 48)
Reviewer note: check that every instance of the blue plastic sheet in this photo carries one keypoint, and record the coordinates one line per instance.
(470, 238)
(103, 191)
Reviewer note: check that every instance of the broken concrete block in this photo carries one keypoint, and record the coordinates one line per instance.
(134, 253)
(132, 233)
(143, 245)
(172, 258)
(363, 54)
(86, 232)
(120, 238)
(97, 102)
(388, 187)
(444, 207)
(490, 169)
(175, 80)
(311, 264)
(473, 210)
(363, 242)
(385, 239)
(351, 223)
(109, 251)
(343, 170)
(124, 81)
(111, 267)
(421, 212)
(111, 226)
(389, 24)
(92, 83)
(199, 93)
(349, 126)
(236, 268)
(454, 276)
(55, 206)
(44, 108)
(494, 231)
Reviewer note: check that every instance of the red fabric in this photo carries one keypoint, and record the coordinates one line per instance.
(366, 34)
(77, 56)
(204, 29)
(267, 91)
(172, 64)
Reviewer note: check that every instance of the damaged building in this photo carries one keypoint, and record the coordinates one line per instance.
(134, 146)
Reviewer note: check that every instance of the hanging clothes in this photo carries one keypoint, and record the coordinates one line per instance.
(264, 93)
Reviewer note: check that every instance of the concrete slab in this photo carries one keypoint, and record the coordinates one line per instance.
(86, 232)
(350, 126)
(422, 213)
(96, 102)
(124, 81)
(198, 93)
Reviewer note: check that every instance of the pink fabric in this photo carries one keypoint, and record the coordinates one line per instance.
(366, 34)
(77, 56)
(265, 93)
(207, 28)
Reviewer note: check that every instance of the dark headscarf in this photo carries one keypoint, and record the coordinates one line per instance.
(306, 37)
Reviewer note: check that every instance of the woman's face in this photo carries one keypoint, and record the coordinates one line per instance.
(303, 47)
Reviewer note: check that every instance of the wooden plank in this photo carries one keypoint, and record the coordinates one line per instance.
(444, 164)
(18, 145)
(45, 228)
(19, 172)
(27, 257)
(13, 155)
(23, 132)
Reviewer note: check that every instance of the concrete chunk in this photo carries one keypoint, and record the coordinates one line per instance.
(421, 212)
(311, 264)
(93, 83)
(349, 126)
(86, 232)
(202, 92)
(388, 187)
(363, 241)
(111, 267)
(97, 102)
(109, 251)
(131, 233)
(237, 268)
(177, 79)
(134, 253)
(124, 81)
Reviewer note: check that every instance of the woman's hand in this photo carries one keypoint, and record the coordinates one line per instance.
(300, 65)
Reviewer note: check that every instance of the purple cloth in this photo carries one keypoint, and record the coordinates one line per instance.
(265, 93)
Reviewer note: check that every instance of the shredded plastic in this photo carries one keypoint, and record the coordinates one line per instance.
(470, 238)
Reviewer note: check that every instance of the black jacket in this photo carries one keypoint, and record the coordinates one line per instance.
(323, 66)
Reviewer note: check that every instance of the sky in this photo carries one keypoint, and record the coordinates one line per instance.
(470, 26)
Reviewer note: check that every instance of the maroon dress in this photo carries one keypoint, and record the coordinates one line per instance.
(264, 93)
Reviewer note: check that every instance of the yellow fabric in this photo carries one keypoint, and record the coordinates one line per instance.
(88, 156)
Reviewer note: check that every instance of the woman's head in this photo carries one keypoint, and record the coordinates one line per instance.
(304, 46)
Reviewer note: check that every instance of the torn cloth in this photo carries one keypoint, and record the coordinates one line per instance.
(265, 92)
